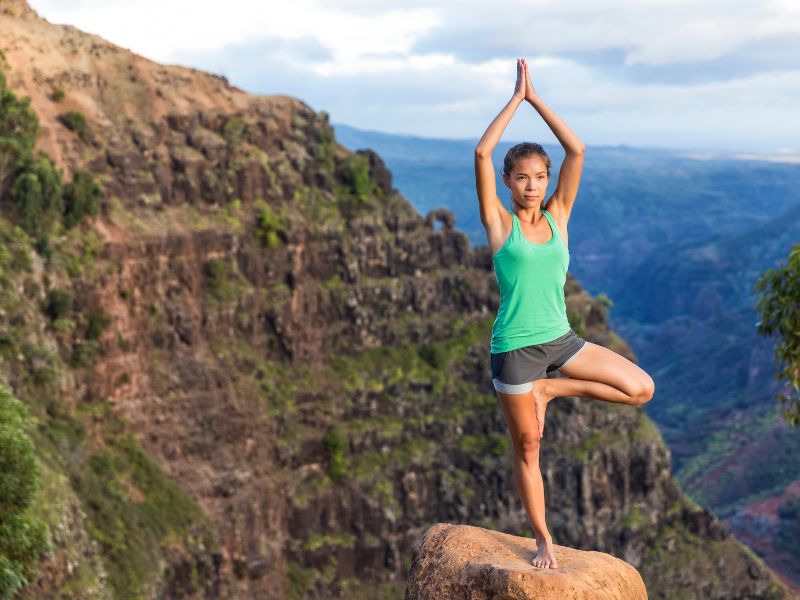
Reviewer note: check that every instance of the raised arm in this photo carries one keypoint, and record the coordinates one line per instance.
(569, 176)
(490, 204)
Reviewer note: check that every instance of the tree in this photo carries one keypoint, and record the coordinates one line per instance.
(19, 129)
(779, 307)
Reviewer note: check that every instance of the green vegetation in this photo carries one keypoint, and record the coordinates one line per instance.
(674, 550)
(315, 541)
(135, 512)
(320, 208)
(221, 282)
(58, 305)
(57, 95)
(356, 187)
(729, 473)
(75, 121)
(34, 196)
(635, 518)
(63, 320)
(576, 322)
(38, 196)
(235, 131)
(137, 516)
(604, 300)
(324, 150)
(81, 198)
(779, 307)
(357, 589)
(98, 320)
(134, 508)
(22, 536)
(270, 227)
(335, 445)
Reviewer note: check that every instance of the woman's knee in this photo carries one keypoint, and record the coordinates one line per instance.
(645, 388)
(526, 446)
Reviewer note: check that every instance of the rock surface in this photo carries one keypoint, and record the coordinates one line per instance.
(462, 561)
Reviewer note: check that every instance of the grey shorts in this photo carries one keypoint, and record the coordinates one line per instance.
(513, 371)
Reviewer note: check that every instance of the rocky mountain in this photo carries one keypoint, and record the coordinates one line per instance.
(259, 372)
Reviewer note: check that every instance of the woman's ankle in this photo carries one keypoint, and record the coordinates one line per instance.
(545, 536)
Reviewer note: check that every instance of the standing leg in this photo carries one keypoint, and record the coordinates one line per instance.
(520, 416)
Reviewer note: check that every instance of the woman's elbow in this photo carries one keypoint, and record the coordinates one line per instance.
(480, 152)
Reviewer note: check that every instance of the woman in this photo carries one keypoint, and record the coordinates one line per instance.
(531, 335)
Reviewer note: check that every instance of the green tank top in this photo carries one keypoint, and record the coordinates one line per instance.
(531, 279)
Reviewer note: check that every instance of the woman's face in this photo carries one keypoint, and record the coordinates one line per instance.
(528, 181)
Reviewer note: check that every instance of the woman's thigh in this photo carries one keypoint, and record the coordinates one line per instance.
(598, 363)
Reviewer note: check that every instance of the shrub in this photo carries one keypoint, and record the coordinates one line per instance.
(270, 228)
(84, 352)
(58, 304)
(356, 185)
(603, 299)
(220, 281)
(99, 319)
(37, 195)
(75, 121)
(335, 445)
(434, 355)
(19, 130)
(17, 119)
(22, 536)
(353, 172)
(81, 198)
(235, 132)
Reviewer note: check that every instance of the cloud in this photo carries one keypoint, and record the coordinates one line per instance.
(695, 73)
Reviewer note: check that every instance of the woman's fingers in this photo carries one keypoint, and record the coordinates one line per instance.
(519, 89)
(529, 90)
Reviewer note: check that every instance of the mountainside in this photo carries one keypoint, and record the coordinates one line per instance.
(704, 316)
(272, 373)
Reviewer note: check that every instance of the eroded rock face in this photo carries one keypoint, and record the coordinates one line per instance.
(229, 387)
(462, 561)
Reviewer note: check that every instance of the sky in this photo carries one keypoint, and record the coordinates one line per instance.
(710, 75)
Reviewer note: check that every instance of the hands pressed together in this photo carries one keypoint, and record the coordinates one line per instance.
(524, 88)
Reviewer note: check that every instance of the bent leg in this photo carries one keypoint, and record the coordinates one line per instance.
(597, 372)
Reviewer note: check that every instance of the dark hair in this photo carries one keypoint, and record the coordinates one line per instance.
(524, 150)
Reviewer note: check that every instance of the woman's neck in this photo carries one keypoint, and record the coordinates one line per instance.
(535, 218)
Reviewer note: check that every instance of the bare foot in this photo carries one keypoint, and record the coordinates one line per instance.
(545, 556)
(540, 399)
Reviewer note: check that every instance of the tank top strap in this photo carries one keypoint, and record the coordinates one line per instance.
(552, 222)
(515, 230)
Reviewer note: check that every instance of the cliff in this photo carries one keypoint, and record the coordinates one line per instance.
(272, 375)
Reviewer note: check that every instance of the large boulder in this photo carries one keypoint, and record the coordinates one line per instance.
(462, 561)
